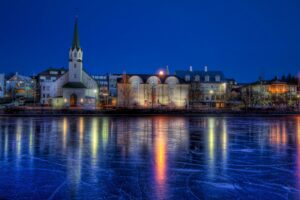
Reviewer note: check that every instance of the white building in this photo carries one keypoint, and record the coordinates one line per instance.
(2, 86)
(75, 88)
(46, 84)
(152, 91)
(208, 88)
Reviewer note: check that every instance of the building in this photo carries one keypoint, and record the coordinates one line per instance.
(2, 86)
(75, 88)
(103, 88)
(23, 88)
(207, 88)
(269, 94)
(46, 84)
(152, 91)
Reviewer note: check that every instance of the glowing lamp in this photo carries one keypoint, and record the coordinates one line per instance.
(161, 73)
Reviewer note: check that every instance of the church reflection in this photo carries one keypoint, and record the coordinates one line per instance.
(103, 150)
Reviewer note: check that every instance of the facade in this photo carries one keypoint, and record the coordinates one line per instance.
(46, 84)
(19, 87)
(75, 88)
(269, 94)
(103, 84)
(152, 91)
(207, 88)
(2, 85)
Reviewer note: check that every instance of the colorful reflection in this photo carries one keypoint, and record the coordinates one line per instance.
(224, 142)
(211, 145)
(298, 151)
(278, 134)
(94, 139)
(65, 132)
(160, 148)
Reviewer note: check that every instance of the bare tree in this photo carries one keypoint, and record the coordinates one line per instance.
(195, 94)
(125, 90)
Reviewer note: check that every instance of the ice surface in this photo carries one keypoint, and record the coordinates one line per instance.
(156, 157)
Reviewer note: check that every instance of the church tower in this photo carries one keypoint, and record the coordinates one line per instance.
(75, 57)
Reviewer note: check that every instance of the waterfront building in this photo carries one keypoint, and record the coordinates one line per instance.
(103, 88)
(152, 91)
(2, 85)
(75, 88)
(21, 88)
(269, 94)
(46, 84)
(207, 88)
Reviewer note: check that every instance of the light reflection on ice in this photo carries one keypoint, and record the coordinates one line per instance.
(156, 157)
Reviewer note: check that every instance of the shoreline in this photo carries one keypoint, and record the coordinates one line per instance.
(41, 112)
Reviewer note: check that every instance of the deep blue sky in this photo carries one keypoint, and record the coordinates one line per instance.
(243, 38)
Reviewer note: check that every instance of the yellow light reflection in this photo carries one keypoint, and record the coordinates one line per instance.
(160, 155)
(65, 132)
(278, 134)
(31, 138)
(105, 131)
(95, 139)
(224, 141)
(211, 145)
(81, 128)
(19, 137)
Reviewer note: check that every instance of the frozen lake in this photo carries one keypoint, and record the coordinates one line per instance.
(156, 157)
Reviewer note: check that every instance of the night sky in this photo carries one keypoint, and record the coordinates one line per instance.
(243, 38)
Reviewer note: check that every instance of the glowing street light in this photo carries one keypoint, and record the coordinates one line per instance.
(161, 73)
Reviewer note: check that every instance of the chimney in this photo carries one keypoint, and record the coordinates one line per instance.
(205, 68)
(191, 68)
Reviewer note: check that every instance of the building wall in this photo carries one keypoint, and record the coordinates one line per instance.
(153, 93)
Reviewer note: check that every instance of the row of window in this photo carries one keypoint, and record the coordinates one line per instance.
(206, 78)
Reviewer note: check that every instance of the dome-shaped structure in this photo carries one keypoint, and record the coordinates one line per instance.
(153, 80)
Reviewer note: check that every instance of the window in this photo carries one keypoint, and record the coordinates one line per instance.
(217, 78)
(74, 65)
(74, 75)
(187, 77)
(197, 78)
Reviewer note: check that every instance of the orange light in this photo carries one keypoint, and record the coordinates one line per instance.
(161, 72)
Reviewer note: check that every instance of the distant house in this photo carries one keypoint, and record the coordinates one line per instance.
(21, 87)
(273, 93)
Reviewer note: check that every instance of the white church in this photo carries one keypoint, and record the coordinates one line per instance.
(75, 88)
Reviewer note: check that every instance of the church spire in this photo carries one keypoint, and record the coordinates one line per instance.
(75, 43)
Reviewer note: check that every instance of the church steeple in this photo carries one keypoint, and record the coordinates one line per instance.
(76, 43)
(75, 57)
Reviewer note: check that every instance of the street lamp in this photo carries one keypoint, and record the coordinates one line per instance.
(161, 73)
(95, 92)
(211, 93)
